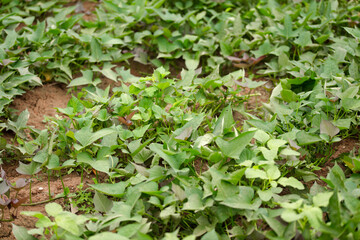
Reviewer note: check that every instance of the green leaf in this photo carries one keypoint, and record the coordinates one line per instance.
(29, 169)
(9, 40)
(53, 209)
(289, 96)
(212, 235)
(335, 210)
(128, 230)
(96, 52)
(173, 159)
(275, 144)
(336, 177)
(234, 147)
(273, 172)
(304, 39)
(140, 131)
(224, 122)
(86, 137)
(67, 222)
(108, 235)
(314, 215)
(194, 203)
(226, 48)
(243, 200)
(21, 233)
(37, 35)
(255, 173)
(44, 222)
(115, 190)
(354, 32)
(354, 70)
(350, 92)
(101, 133)
(264, 49)
(322, 38)
(350, 104)
(292, 182)
(107, 71)
(305, 138)
(352, 162)
(87, 78)
(275, 225)
(189, 127)
(290, 215)
(140, 148)
(41, 157)
(288, 32)
(263, 125)
(191, 60)
(265, 195)
(328, 128)
(322, 199)
(21, 121)
(165, 46)
(102, 203)
(330, 68)
(99, 165)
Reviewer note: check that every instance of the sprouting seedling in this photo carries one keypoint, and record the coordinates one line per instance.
(4, 202)
(29, 169)
(5, 199)
(127, 120)
(16, 203)
(4, 184)
(19, 184)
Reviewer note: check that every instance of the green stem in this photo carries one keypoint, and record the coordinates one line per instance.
(49, 190)
(46, 201)
(62, 182)
(30, 191)
(7, 220)
(152, 217)
(82, 174)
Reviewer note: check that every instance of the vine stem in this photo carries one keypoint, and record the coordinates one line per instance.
(7, 220)
(47, 201)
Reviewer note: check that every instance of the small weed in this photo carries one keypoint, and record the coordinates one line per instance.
(83, 200)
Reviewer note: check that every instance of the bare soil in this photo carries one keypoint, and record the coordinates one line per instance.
(41, 102)
(85, 7)
(39, 189)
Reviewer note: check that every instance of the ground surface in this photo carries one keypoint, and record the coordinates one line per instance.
(42, 101)
(39, 193)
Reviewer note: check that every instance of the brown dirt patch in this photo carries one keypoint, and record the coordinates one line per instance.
(139, 70)
(252, 105)
(85, 7)
(345, 146)
(105, 82)
(42, 101)
(261, 95)
(39, 193)
(342, 147)
(88, 9)
(200, 166)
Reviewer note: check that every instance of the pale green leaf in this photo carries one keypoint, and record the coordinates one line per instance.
(292, 182)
